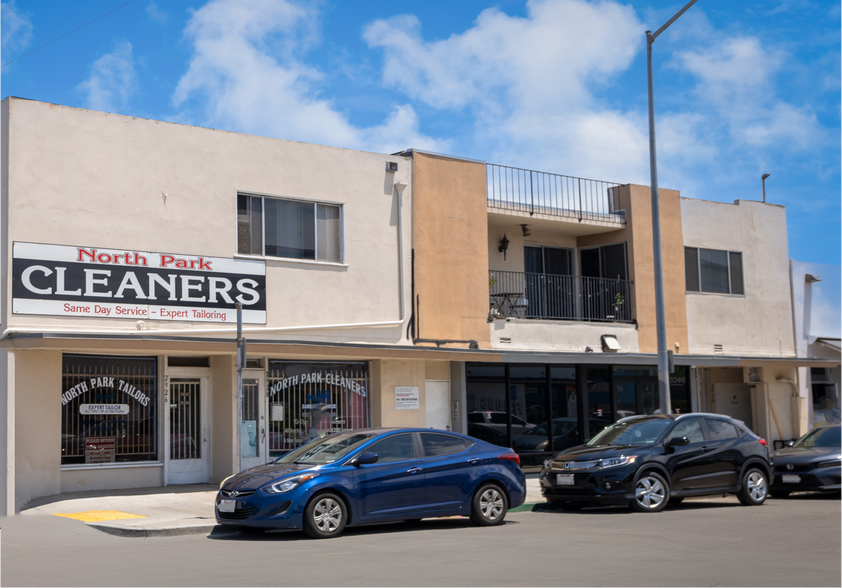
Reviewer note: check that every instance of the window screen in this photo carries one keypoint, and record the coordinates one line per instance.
(714, 270)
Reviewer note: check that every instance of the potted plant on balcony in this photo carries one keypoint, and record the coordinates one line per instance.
(618, 303)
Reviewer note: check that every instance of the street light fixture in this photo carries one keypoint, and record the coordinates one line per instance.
(763, 180)
(660, 313)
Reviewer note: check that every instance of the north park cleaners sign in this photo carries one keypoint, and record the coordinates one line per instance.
(92, 282)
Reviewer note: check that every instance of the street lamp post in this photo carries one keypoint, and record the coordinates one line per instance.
(660, 313)
(763, 181)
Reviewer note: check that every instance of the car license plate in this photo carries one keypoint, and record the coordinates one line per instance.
(564, 479)
(790, 478)
(226, 505)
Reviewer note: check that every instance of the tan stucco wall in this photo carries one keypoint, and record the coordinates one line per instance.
(223, 416)
(386, 374)
(514, 261)
(437, 370)
(760, 322)
(637, 202)
(86, 178)
(450, 239)
(37, 425)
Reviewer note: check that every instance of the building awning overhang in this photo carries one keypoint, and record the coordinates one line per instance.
(834, 344)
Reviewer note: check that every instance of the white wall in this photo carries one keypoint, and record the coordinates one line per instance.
(540, 335)
(760, 322)
(86, 178)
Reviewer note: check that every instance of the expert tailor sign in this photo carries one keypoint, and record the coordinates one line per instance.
(109, 283)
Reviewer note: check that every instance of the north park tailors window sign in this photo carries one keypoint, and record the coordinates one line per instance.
(88, 281)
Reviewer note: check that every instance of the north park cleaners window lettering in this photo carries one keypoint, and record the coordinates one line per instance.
(93, 282)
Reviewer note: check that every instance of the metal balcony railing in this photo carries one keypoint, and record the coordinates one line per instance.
(529, 191)
(547, 296)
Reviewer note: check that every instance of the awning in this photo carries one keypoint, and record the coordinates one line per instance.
(835, 344)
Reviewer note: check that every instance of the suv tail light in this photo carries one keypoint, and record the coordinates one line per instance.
(762, 442)
(512, 456)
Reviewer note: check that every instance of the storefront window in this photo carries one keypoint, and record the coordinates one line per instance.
(307, 400)
(108, 409)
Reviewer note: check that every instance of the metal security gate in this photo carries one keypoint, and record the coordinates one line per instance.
(187, 426)
(313, 399)
(253, 431)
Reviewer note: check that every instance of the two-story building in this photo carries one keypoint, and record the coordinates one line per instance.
(411, 289)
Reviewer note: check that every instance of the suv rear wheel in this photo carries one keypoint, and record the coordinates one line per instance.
(754, 488)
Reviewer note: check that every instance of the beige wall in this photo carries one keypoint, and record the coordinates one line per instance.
(451, 251)
(760, 322)
(526, 334)
(86, 178)
(223, 416)
(637, 202)
(37, 425)
(386, 374)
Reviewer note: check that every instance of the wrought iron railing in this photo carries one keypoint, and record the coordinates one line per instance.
(547, 296)
(529, 191)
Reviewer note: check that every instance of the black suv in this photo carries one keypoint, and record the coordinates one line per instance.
(647, 461)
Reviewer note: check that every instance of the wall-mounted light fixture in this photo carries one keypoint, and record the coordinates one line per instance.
(763, 181)
(526, 231)
(810, 278)
(504, 246)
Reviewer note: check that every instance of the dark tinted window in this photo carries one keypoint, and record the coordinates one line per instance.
(721, 430)
(475, 417)
(691, 269)
(396, 448)
(436, 444)
(691, 428)
(736, 263)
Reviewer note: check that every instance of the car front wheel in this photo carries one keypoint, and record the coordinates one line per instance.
(651, 493)
(489, 506)
(754, 488)
(325, 516)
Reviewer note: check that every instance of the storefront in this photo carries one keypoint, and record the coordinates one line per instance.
(540, 394)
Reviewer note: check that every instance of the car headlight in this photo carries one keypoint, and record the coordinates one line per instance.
(288, 484)
(222, 483)
(542, 445)
(835, 463)
(611, 462)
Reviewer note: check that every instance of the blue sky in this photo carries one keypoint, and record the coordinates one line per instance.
(742, 88)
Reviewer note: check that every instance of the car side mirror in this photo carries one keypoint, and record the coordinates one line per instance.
(790, 443)
(677, 442)
(364, 459)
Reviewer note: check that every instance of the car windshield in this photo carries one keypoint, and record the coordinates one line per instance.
(631, 433)
(823, 437)
(326, 449)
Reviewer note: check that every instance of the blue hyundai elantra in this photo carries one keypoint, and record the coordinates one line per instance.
(373, 476)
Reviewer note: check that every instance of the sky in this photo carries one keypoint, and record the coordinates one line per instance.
(741, 88)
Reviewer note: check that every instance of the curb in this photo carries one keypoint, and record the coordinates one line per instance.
(153, 531)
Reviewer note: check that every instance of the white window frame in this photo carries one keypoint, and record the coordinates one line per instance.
(315, 204)
(728, 253)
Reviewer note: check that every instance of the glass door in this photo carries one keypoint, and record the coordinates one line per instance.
(253, 430)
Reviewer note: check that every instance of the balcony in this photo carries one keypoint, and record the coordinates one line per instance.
(526, 295)
(551, 196)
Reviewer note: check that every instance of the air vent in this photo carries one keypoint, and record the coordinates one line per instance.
(717, 348)
(505, 339)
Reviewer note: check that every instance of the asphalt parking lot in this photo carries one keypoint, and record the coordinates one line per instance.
(702, 542)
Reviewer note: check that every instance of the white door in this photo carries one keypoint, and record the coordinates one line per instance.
(187, 428)
(437, 393)
(253, 432)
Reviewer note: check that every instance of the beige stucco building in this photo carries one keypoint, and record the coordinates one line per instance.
(412, 289)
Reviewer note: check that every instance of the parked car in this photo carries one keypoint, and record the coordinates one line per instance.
(812, 463)
(648, 461)
(565, 434)
(497, 420)
(371, 476)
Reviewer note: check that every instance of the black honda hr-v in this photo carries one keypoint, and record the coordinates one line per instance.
(648, 461)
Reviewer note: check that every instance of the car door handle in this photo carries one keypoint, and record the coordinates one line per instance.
(706, 448)
(413, 470)
(474, 460)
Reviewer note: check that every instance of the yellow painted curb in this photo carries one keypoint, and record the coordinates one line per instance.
(93, 516)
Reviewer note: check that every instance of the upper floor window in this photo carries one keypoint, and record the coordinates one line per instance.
(712, 270)
(295, 229)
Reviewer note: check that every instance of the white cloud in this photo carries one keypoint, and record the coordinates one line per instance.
(246, 73)
(112, 81)
(530, 82)
(155, 13)
(17, 28)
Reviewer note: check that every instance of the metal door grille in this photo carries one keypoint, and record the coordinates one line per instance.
(314, 399)
(185, 414)
(251, 413)
(103, 380)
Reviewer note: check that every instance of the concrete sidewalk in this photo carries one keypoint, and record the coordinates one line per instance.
(161, 511)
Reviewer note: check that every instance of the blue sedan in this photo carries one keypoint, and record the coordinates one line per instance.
(373, 476)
